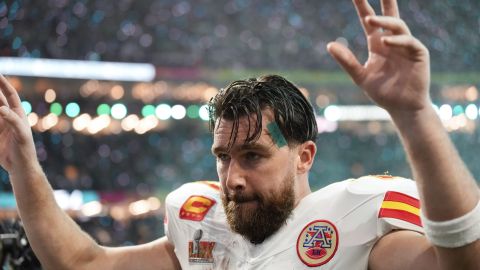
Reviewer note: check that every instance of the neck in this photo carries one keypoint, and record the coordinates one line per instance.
(302, 189)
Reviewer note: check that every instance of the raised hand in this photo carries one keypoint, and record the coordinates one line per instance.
(17, 150)
(396, 75)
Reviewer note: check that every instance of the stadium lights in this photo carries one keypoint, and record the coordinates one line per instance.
(445, 112)
(203, 112)
(50, 95)
(355, 113)
(72, 109)
(82, 122)
(91, 209)
(103, 109)
(27, 107)
(146, 124)
(193, 111)
(119, 111)
(148, 110)
(99, 123)
(457, 110)
(32, 119)
(77, 69)
(163, 111)
(139, 207)
(56, 108)
(49, 121)
(130, 122)
(116, 118)
(471, 111)
(178, 112)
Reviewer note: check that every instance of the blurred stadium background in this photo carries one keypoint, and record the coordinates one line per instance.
(114, 142)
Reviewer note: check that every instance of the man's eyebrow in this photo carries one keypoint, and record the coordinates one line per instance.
(254, 146)
(218, 149)
(246, 146)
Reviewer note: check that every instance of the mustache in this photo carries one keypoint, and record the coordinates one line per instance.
(240, 197)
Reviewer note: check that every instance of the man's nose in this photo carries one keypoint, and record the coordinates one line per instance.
(235, 176)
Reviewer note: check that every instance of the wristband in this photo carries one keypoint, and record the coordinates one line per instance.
(456, 232)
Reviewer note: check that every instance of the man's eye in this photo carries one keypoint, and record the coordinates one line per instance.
(251, 156)
(223, 157)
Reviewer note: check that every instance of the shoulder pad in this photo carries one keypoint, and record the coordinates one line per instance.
(205, 188)
(375, 184)
(193, 200)
(399, 207)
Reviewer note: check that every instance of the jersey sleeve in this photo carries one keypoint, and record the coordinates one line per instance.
(191, 202)
(185, 209)
(395, 200)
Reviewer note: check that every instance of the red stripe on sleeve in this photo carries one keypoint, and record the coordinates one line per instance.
(400, 214)
(400, 197)
(211, 184)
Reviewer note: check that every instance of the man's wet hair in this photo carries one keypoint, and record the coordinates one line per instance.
(246, 98)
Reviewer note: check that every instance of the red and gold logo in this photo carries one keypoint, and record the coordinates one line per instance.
(317, 243)
(200, 252)
(196, 208)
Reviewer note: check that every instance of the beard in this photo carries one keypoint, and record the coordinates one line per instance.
(257, 217)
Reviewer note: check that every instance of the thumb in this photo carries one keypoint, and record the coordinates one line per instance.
(346, 59)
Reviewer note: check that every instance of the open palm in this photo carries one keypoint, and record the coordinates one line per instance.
(396, 74)
(16, 142)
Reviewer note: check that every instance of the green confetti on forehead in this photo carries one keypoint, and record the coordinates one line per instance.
(276, 134)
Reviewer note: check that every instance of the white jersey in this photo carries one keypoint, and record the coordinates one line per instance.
(332, 228)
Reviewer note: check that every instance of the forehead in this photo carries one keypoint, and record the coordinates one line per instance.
(246, 127)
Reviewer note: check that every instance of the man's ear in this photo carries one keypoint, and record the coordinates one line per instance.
(306, 155)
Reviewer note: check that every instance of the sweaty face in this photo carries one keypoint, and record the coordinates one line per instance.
(258, 180)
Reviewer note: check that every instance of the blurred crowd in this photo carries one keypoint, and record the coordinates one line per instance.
(162, 161)
(157, 163)
(280, 34)
(110, 232)
(233, 34)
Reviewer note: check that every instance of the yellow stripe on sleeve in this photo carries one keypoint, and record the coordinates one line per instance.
(401, 206)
